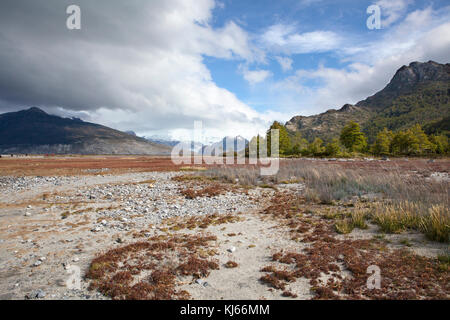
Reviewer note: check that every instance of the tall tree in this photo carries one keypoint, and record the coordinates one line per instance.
(316, 147)
(284, 142)
(333, 148)
(423, 143)
(382, 143)
(441, 144)
(352, 137)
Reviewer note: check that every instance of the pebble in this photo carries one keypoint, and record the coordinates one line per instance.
(40, 294)
(61, 282)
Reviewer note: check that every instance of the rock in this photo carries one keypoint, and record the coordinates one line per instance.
(200, 282)
(76, 259)
(42, 259)
(27, 214)
(232, 249)
(40, 294)
(37, 263)
(119, 240)
(61, 282)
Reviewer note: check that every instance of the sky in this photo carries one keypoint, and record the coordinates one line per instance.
(155, 67)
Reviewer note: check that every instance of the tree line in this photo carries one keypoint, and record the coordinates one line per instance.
(352, 141)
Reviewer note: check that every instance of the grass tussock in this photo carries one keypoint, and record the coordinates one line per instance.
(344, 226)
(402, 199)
(358, 217)
(398, 217)
(436, 225)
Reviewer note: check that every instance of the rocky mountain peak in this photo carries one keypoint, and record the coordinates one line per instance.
(417, 72)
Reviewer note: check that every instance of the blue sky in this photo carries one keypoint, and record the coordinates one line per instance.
(156, 67)
(345, 19)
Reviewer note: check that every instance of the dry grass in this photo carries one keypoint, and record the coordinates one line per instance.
(405, 199)
(398, 217)
(404, 274)
(344, 226)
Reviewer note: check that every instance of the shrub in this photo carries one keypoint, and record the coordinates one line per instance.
(358, 219)
(436, 225)
(344, 226)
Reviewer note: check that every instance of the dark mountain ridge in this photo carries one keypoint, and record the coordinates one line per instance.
(35, 131)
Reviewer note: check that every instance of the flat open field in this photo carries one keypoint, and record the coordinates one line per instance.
(82, 164)
(123, 227)
(67, 165)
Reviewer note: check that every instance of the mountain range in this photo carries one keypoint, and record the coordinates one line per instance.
(418, 93)
(36, 132)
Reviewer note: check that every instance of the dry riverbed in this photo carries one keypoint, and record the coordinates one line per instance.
(146, 230)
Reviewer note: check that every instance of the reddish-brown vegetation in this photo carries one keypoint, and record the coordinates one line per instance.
(150, 269)
(404, 275)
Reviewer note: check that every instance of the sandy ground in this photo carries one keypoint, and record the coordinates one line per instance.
(255, 241)
(37, 246)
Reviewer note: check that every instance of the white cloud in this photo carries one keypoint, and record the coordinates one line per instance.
(134, 67)
(254, 76)
(422, 35)
(392, 10)
(286, 39)
(285, 63)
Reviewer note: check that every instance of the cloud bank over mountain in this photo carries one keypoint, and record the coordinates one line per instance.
(141, 66)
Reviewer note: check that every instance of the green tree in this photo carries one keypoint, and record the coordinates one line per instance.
(316, 147)
(382, 144)
(352, 137)
(423, 143)
(284, 142)
(404, 142)
(441, 144)
(333, 148)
